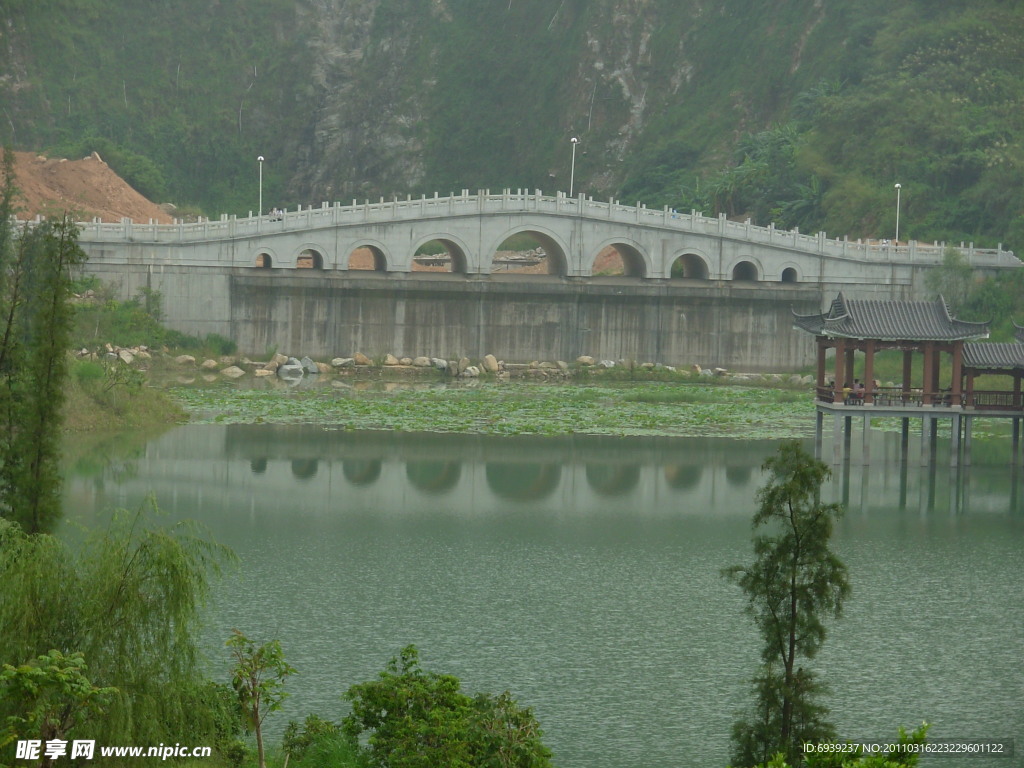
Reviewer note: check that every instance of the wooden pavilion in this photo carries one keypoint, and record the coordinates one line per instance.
(916, 328)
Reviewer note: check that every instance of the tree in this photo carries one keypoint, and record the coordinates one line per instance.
(56, 695)
(35, 332)
(128, 599)
(417, 719)
(258, 678)
(794, 583)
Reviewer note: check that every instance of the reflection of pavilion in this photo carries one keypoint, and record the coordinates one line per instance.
(911, 327)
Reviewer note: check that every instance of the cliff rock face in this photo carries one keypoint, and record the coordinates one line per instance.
(451, 94)
(385, 74)
(360, 135)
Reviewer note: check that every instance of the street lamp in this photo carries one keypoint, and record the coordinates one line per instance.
(572, 172)
(259, 211)
(898, 187)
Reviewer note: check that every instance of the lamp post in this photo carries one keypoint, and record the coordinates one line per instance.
(572, 172)
(259, 211)
(898, 187)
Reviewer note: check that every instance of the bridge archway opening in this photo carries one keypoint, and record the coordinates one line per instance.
(310, 259)
(690, 266)
(618, 259)
(789, 275)
(520, 253)
(738, 477)
(264, 261)
(607, 480)
(439, 255)
(305, 469)
(369, 258)
(682, 477)
(745, 271)
(433, 476)
(523, 482)
(361, 471)
(530, 252)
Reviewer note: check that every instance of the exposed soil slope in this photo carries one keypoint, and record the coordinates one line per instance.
(85, 188)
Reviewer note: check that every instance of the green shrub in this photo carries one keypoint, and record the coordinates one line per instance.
(86, 371)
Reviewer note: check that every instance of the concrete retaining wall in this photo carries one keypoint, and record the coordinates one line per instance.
(517, 318)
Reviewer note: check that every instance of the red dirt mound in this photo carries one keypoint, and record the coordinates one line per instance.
(85, 188)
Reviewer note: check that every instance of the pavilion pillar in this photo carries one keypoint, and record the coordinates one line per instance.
(958, 372)
(969, 398)
(908, 360)
(869, 372)
(926, 379)
(837, 396)
(849, 363)
(1016, 389)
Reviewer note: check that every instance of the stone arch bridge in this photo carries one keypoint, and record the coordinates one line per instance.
(573, 231)
(693, 288)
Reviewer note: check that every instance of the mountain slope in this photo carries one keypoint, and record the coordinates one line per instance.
(801, 111)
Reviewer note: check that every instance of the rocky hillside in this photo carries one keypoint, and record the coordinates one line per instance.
(804, 112)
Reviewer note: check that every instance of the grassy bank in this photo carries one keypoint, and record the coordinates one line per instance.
(115, 398)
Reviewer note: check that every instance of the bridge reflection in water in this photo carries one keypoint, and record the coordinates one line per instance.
(275, 469)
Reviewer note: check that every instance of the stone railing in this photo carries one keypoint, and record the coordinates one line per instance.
(484, 203)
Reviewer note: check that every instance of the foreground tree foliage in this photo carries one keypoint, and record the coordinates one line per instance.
(416, 719)
(35, 328)
(128, 601)
(794, 583)
(257, 675)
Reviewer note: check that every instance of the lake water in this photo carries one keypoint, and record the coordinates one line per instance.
(582, 574)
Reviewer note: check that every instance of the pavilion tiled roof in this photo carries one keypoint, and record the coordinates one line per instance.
(994, 356)
(890, 321)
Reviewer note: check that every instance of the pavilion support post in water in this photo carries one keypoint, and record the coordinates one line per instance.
(926, 442)
(819, 423)
(954, 445)
(967, 439)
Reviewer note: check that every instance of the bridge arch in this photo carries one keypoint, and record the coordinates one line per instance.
(691, 264)
(263, 258)
(612, 480)
(555, 248)
(635, 261)
(522, 482)
(790, 273)
(745, 269)
(381, 257)
(433, 476)
(457, 250)
(309, 256)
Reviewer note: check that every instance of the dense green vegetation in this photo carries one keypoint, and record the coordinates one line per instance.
(799, 113)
